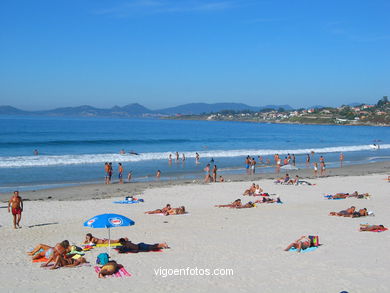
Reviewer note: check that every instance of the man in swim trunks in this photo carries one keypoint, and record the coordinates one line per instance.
(16, 204)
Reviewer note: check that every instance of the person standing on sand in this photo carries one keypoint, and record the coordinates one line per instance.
(341, 159)
(307, 160)
(109, 172)
(16, 204)
(120, 173)
(315, 166)
(215, 173)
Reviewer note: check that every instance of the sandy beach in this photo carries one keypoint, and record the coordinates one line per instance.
(248, 243)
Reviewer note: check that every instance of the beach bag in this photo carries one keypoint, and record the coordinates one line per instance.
(314, 241)
(102, 259)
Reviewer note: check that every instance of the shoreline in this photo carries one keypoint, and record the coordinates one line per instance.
(277, 122)
(102, 191)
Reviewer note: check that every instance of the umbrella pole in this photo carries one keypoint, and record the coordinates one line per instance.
(109, 241)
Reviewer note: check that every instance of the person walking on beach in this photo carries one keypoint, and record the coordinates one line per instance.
(341, 159)
(120, 173)
(16, 204)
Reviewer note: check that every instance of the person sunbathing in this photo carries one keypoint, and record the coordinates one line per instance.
(366, 227)
(128, 246)
(245, 206)
(268, 200)
(39, 251)
(57, 253)
(251, 190)
(360, 213)
(89, 239)
(71, 262)
(160, 211)
(301, 243)
(176, 211)
(344, 213)
(110, 268)
(234, 204)
(283, 180)
(258, 190)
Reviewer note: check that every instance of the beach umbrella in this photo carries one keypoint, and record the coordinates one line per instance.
(108, 221)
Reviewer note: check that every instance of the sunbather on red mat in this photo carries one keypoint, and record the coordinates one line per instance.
(364, 227)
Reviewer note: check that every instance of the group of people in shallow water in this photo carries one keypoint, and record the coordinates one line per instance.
(65, 255)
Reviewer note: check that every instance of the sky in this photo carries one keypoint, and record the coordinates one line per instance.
(165, 53)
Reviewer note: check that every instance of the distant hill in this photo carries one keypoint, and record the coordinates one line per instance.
(137, 110)
(199, 108)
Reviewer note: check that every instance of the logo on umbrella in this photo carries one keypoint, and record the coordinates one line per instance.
(115, 221)
(91, 221)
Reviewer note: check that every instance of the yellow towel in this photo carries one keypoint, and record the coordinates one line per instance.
(106, 244)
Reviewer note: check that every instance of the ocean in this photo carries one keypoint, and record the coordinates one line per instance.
(73, 151)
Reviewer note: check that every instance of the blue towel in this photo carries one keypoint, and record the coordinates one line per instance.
(126, 201)
(305, 250)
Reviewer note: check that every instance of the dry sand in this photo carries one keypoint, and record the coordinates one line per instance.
(248, 241)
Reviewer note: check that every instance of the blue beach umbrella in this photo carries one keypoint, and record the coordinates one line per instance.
(108, 221)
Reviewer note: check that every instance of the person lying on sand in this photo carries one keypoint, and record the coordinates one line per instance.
(57, 253)
(245, 206)
(344, 213)
(234, 204)
(110, 268)
(68, 261)
(268, 200)
(160, 211)
(297, 181)
(366, 227)
(89, 239)
(39, 251)
(176, 211)
(251, 190)
(128, 246)
(360, 213)
(301, 243)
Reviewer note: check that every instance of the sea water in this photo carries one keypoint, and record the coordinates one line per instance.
(73, 150)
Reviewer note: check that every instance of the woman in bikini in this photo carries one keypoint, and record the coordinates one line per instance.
(89, 239)
(234, 204)
(301, 243)
(160, 211)
(176, 211)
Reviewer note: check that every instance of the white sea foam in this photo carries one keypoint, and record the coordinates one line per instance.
(45, 160)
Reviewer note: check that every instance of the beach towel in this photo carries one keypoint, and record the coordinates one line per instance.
(126, 201)
(42, 259)
(106, 245)
(121, 272)
(312, 248)
(377, 230)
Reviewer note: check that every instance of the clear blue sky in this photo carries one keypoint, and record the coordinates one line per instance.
(163, 53)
